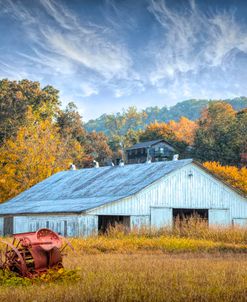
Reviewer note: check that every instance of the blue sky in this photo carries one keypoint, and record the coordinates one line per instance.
(108, 55)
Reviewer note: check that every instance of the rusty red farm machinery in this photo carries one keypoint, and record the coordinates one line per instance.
(31, 254)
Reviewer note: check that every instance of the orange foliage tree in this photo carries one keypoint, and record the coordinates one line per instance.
(184, 130)
(33, 154)
(231, 174)
(181, 131)
(157, 130)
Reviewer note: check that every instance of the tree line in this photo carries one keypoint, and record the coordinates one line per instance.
(38, 138)
(191, 109)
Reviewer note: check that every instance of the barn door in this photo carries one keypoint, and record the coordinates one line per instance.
(161, 217)
(8, 225)
(219, 217)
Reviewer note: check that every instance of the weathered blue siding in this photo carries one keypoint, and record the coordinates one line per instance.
(241, 222)
(1, 226)
(66, 225)
(161, 216)
(219, 217)
(139, 221)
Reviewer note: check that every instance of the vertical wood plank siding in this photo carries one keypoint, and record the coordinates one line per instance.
(179, 190)
(66, 225)
(139, 221)
(1, 226)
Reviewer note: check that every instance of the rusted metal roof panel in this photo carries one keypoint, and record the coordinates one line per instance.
(81, 190)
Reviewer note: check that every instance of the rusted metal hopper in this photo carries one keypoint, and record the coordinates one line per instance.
(31, 254)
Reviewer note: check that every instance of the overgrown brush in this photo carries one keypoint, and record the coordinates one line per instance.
(191, 235)
(8, 278)
(193, 228)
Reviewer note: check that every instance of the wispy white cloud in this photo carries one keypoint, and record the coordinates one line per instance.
(88, 89)
(17, 11)
(11, 72)
(60, 14)
(142, 52)
(193, 40)
(67, 45)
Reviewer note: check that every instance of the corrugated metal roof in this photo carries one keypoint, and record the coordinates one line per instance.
(81, 190)
(148, 144)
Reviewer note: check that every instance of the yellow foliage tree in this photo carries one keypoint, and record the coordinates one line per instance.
(184, 130)
(231, 174)
(157, 130)
(35, 153)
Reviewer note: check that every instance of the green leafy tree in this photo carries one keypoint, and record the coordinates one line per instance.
(123, 129)
(241, 130)
(217, 137)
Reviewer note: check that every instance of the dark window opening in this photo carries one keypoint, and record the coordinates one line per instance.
(65, 228)
(184, 215)
(105, 221)
(8, 226)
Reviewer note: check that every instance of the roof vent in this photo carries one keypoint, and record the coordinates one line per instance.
(175, 157)
(121, 163)
(72, 167)
(95, 164)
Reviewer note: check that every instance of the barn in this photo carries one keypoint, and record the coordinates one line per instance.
(82, 202)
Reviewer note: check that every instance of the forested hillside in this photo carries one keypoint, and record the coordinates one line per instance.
(189, 108)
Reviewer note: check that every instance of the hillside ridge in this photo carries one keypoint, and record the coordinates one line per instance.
(189, 108)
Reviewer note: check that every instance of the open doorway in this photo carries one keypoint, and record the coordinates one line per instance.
(184, 215)
(105, 221)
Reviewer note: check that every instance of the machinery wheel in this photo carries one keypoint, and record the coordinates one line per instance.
(12, 260)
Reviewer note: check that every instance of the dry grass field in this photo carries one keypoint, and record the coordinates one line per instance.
(142, 277)
(186, 264)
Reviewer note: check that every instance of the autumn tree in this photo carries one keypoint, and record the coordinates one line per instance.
(97, 148)
(17, 96)
(158, 131)
(236, 177)
(70, 123)
(33, 154)
(184, 130)
(217, 137)
(94, 144)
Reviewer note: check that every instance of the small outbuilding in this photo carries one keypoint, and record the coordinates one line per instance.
(83, 202)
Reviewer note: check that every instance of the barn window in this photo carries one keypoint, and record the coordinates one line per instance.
(105, 221)
(8, 225)
(186, 214)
